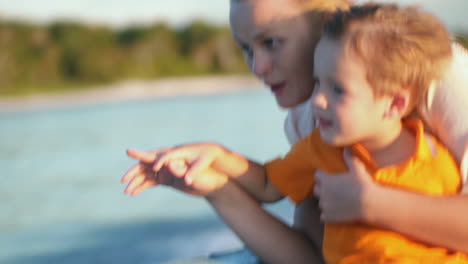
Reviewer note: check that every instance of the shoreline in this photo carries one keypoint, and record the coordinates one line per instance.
(132, 90)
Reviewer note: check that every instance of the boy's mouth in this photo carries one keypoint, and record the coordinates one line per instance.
(324, 123)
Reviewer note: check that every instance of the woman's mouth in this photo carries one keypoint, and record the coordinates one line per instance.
(277, 88)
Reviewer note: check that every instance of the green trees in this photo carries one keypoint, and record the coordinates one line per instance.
(67, 55)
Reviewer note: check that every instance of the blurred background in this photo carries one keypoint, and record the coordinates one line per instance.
(51, 45)
(61, 197)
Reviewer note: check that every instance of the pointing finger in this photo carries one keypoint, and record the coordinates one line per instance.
(143, 156)
(143, 187)
(134, 183)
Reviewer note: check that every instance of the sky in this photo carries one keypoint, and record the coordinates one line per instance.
(176, 12)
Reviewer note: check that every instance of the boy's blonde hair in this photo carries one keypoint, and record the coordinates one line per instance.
(400, 47)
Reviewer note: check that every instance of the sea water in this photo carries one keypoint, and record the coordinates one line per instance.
(61, 196)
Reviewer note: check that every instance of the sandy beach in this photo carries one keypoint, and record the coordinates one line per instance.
(132, 90)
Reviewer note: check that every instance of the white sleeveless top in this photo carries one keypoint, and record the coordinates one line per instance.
(445, 111)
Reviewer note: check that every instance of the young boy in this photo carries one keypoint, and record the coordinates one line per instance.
(371, 67)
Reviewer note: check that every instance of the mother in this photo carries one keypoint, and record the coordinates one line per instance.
(278, 38)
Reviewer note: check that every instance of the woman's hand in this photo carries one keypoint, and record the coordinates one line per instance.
(344, 197)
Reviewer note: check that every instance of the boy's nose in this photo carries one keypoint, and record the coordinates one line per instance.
(319, 99)
(261, 64)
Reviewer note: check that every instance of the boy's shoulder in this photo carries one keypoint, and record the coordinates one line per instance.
(321, 154)
(437, 151)
(428, 146)
(313, 141)
(438, 171)
(434, 155)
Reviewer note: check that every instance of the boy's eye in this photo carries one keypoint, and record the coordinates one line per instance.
(337, 89)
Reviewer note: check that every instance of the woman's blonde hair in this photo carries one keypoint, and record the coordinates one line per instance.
(315, 12)
(316, 5)
(400, 47)
(325, 5)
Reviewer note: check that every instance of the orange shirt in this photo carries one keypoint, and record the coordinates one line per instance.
(431, 170)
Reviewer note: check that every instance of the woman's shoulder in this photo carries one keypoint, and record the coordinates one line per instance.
(459, 63)
(458, 50)
(456, 76)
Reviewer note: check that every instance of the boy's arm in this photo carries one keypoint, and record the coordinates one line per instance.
(307, 221)
(250, 175)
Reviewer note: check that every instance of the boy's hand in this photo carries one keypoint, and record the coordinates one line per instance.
(203, 182)
(141, 176)
(198, 156)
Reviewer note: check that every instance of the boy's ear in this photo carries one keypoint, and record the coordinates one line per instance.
(398, 106)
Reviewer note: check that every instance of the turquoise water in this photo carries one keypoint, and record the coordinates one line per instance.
(62, 201)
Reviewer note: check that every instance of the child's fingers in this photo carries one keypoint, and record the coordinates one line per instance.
(142, 187)
(134, 183)
(198, 166)
(132, 172)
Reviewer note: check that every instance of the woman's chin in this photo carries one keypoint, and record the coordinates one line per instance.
(284, 103)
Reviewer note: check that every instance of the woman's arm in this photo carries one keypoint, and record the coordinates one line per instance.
(440, 221)
(270, 239)
(353, 196)
(307, 221)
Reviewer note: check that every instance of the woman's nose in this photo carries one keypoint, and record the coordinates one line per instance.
(261, 63)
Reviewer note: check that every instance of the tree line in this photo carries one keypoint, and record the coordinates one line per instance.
(69, 55)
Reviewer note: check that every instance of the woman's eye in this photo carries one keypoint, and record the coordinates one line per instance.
(247, 50)
(270, 43)
(316, 82)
